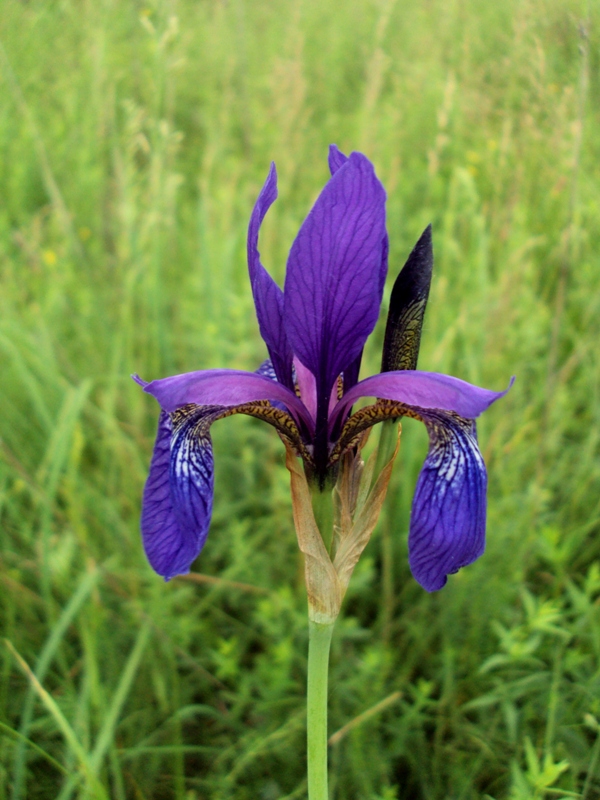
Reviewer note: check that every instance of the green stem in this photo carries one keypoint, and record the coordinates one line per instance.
(319, 641)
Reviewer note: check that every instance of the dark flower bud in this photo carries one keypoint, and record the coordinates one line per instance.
(407, 308)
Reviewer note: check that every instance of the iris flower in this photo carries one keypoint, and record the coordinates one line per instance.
(315, 330)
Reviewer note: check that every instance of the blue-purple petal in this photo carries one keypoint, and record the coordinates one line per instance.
(351, 373)
(268, 297)
(383, 267)
(447, 525)
(334, 284)
(224, 387)
(336, 158)
(268, 371)
(177, 501)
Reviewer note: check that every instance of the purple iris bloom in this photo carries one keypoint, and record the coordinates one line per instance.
(315, 331)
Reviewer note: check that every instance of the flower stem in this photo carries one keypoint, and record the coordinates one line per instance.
(319, 641)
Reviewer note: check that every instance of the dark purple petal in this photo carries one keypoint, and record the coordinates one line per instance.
(351, 373)
(224, 387)
(177, 502)
(336, 158)
(447, 524)
(268, 297)
(333, 284)
(383, 268)
(424, 390)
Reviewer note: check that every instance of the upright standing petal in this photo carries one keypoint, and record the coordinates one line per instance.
(178, 496)
(407, 308)
(268, 297)
(333, 283)
(447, 525)
(336, 158)
(383, 268)
(351, 373)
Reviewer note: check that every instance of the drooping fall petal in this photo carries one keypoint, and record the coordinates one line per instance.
(447, 524)
(178, 495)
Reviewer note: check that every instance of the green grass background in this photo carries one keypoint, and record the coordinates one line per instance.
(134, 138)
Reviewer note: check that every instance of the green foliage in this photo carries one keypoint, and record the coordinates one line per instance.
(134, 139)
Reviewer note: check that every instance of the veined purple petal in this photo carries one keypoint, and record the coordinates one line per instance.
(333, 284)
(177, 502)
(224, 387)
(336, 158)
(351, 373)
(268, 297)
(268, 370)
(447, 524)
(423, 389)
(383, 268)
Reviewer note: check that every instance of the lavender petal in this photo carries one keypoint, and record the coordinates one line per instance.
(428, 390)
(224, 387)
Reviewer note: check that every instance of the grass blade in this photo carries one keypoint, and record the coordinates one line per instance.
(63, 724)
(44, 661)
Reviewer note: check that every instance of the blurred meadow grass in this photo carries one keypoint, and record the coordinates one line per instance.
(134, 139)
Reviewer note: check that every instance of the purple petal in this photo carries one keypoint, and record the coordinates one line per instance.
(268, 297)
(307, 387)
(423, 389)
(383, 268)
(447, 524)
(336, 158)
(224, 387)
(334, 282)
(351, 373)
(177, 502)
(267, 369)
